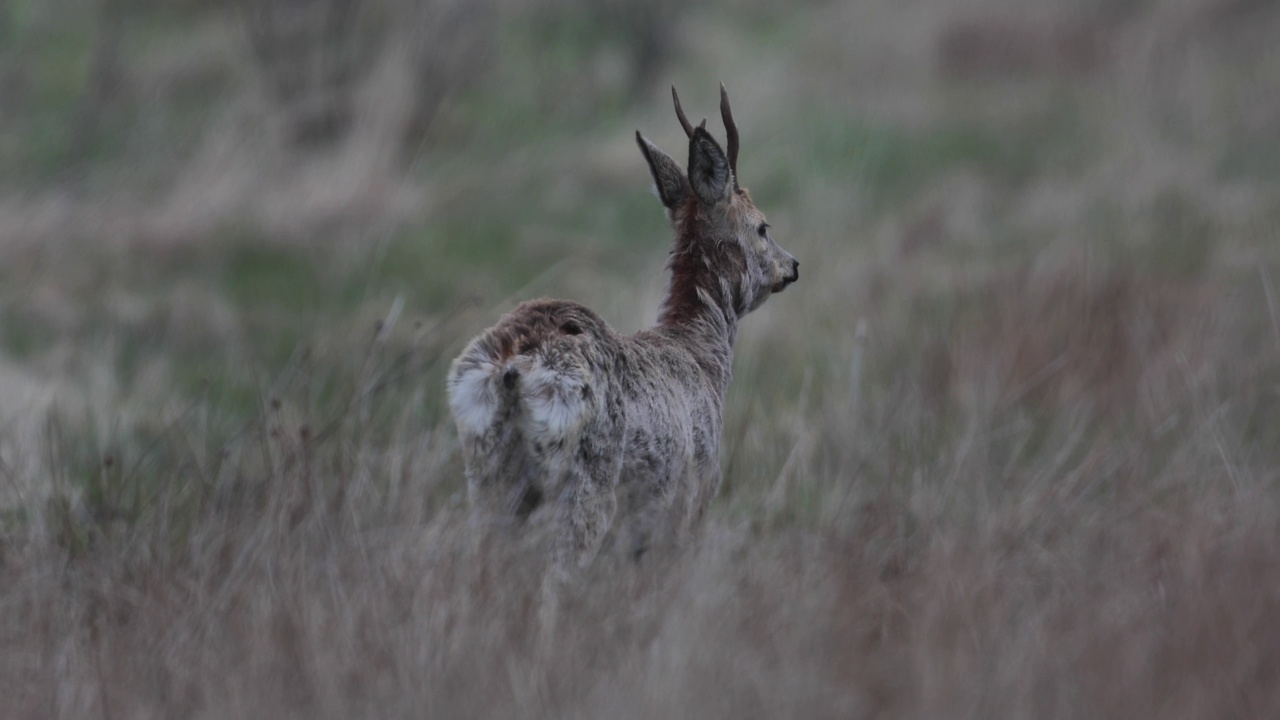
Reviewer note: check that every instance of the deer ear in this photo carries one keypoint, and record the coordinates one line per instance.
(709, 173)
(668, 178)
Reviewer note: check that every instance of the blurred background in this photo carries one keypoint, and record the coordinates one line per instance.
(1009, 447)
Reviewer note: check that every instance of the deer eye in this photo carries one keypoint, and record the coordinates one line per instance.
(763, 230)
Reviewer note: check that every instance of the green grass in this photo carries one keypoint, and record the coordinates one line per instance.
(888, 165)
(1251, 158)
(23, 338)
(265, 278)
(1050, 493)
(49, 53)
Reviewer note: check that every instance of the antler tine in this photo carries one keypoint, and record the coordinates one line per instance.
(684, 121)
(731, 131)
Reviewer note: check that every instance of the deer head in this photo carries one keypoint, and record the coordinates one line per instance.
(723, 248)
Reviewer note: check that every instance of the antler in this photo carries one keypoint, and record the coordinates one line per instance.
(684, 121)
(731, 131)
(730, 128)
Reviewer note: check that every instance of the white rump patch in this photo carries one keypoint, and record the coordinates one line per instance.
(554, 402)
(473, 395)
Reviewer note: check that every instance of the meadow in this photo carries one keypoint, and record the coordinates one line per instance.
(1009, 448)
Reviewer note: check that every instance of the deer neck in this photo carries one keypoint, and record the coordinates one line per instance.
(699, 307)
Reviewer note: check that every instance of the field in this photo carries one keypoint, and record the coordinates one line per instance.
(1009, 449)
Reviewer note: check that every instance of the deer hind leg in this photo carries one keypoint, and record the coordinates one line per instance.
(585, 512)
(575, 429)
(588, 503)
(502, 477)
(646, 494)
(483, 400)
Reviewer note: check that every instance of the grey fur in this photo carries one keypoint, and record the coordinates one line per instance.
(669, 179)
(621, 433)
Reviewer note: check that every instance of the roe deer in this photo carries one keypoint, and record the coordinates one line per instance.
(556, 409)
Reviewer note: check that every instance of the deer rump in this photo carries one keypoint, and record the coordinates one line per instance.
(552, 403)
(546, 408)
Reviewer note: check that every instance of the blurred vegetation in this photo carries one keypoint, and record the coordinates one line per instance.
(487, 113)
(486, 106)
(240, 242)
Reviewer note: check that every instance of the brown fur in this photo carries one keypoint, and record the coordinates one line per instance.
(556, 409)
(681, 303)
(540, 321)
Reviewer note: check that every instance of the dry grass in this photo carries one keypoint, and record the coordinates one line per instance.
(1009, 449)
(1111, 572)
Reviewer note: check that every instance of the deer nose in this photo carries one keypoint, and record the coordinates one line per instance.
(795, 270)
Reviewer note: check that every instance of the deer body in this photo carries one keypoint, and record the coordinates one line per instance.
(554, 408)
